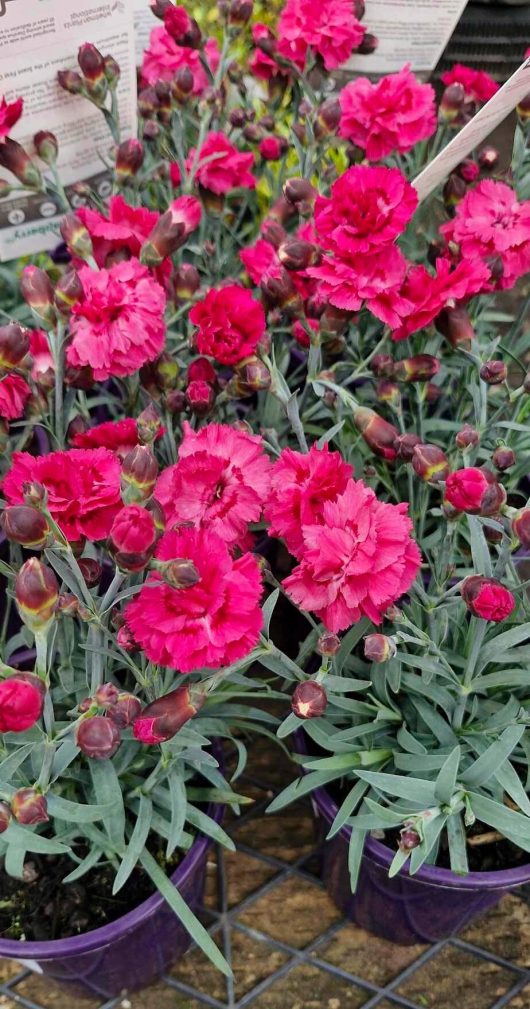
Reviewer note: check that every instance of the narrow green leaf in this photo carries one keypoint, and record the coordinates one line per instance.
(479, 547)
(446, 780)
(456, 837)
(289, 725)
(415, 789)
(76, 812)
(355, 854)
(350, 640)
(108, 793)
(15, 857)
(201, 821)
(268, 610)
(485, 765)
(177, 793)
(301, 787)
(136, 844)
(85, 865)
(25, 838)
(398, 862)
(349, 804)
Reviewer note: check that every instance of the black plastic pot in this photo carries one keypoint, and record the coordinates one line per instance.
(490, 36)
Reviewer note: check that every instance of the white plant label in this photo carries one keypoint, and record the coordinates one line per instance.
(409, 31)
(144, 22)
(477, 130)
(38, 38)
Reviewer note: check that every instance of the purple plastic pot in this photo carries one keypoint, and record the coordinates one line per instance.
(429, 906)
(128, 953)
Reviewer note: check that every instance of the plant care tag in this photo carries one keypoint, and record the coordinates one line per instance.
(474, 132)
(144, 22)
(38, 38)
(409, 31)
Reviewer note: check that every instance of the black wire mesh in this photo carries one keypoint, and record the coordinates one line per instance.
(256, 929)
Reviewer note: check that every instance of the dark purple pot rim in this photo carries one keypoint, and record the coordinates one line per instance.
(503, 879)
(76, 945)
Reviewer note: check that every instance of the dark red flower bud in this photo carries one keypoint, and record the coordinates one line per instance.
(147, 103)
(452, 104)
(36, 594)
(379, 648)
(328, 644)
(488, 158)
(468, 437)
(37, 291)
(125, 710)
(388, 392)
(253, 133)
(382, 366)
(523, 109)
(171, 230)
(187, 281)
(14, 345)
(106, 695)
(138, 474)
(240, 12)
(420, 368)
(176, 401)
(454, 191)
(202, 370)
(468, 170)
(455, 325)
(126, 640)
(112, 72)
(15, 159)
(68, 605)
(238, 118)
(409, 838)
(98, 737)
(474, 491)
(35, 493)
(71, 81)
(334, 321)
(309, 699)
(21, 702)
(25, 525)
(132, 538)
(405, 445)
(273, 232)
(251, 375)
(148, 424)
(359, 9)
(200, 398)
(163, 718)
(46, 146)
(430, 463)
(494, 372)
(182, 84)
(77, 237)
(328, 118)
(296, 254)
(182, 28)
(378, 434)
(159, 7)
(29, 807)
(503, 457)
(180, 573)
(129, 159)
(300, 191)
(521, 527)
(5, 816)
(91, 62)
(487, 598)
(68, 291)
(91, 570)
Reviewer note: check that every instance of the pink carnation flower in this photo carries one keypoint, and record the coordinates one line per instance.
(124, 230)
(83, 488)
(118, 325)
(478, 85)
(120, 436)
(220, 482)
(260, 64)
(163, 57)
(368, 207)
(221, 167)
(300, 486)
(261, 261)
(392, 115)
(14, 394)
(213, 623)
(491, 224)
(41, 358)
(357, 561)
(10, 113)
(329, 27)
(422, 296)
(231, 324)
(365, 279)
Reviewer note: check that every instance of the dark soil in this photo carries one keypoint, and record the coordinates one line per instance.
(42, 907)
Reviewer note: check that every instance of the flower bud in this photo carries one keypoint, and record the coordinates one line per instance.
(98, 737)
(388, 392)
(521, 527)
(488, 158)
(240, 12)
(175, 401)
(14, 158)
(147, 103)
(420, 368)
(368, 44)
(148, 425)
(132, 538)
(182, 28)
(187, 282)
(171, 230)
(5, 816)
(25, 525)
(238, 118)
(309, 699)
(159, 8)
(452, 104)
(129, 159)
(182, 84)
(91, 570)
(36, 594)
(106, 695)
(379, 648)
(474, 491)
(21, 702)
(297, 191)
(487, 598)
(409, 838)
(430, 463)
(202, 370)
(68, 291)
(523, 109)
(163, 718)
(91, 62)
(71, 81)
(494, 372)
(164, 371)
(125, 710)
(455, 325)
(200, 398)
(37, 291)
(180, 573)
(138, 474)
(468, 437)
(296, 254)
(503, 457)
(382, 366)
(126, 640)
(251, 375)
(378, 434)
(112, 72)
(14, 345)
(67, 605)
(35, 493)
(328, 644)
(46, 146)
(29, 807)
(405, 445)
(273, 232)
(468, 170)
(77, 237)
(328, 118)
(454, 191)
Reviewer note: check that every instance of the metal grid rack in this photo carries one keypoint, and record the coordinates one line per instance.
(291, 974)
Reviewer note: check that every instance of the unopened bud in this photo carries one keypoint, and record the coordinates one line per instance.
(171, 230)
(91, 570)
(309, 699)
(328, 644)
(37, 291)
(328, 118)
(382, 366)
(68, 291)
(148, 424)
(300, 191)
(98, 737)
(91, 62)
(125, 710)
(162, 719)
(129, 159)
(405, 445)
(138, 475)
(503, 458)
(488, 158)
(182, 28)
(200, 397)
(420, 368)
(77, 237)
(409, 839)
(29, 807)
(25, 525)
(180, 573)
(187, 281)
(5, 816)
(521, 527)
(430, 463)
(125, 640)
(36, 594)
(240, 12)
(494, 372)
(468, 437)
(46, 146)
(456, 326)
(14, 158)
(379, 648)
(71, 81)
(14, 345)
(378, 434)
(182, 84)
(35, 493)
(251, 375)
(368, 45)
(296, 254)
(388, 392)
(454, 191)
(452, 104)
